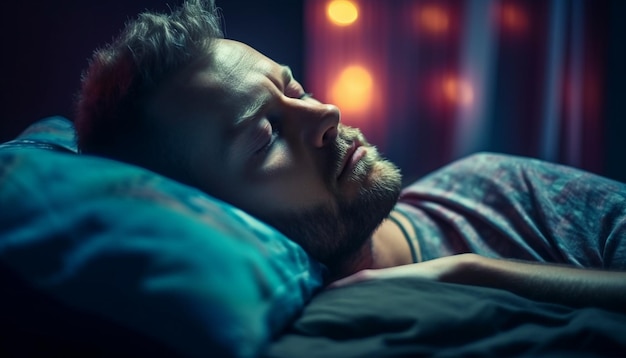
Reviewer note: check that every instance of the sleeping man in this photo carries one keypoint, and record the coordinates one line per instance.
(172, 95)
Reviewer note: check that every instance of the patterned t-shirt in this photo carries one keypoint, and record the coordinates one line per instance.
(511, 207)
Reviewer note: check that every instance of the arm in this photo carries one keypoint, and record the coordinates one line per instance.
(566, 285)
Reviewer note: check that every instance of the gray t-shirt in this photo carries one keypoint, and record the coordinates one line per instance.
(504, 206)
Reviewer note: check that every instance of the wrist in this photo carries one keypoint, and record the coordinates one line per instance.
(467, 269)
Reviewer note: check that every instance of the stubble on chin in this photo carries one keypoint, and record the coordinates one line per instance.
(338, 233)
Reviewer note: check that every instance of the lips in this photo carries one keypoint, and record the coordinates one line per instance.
(355, 152)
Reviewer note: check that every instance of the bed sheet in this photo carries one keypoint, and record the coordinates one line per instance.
(415, 318)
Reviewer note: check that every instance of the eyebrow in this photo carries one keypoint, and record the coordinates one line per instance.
(286, 76)
(256, 107)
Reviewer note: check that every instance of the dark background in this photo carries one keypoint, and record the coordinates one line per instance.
(616, 92)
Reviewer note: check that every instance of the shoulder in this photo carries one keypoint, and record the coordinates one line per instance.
(486, 174)
(490, 167)
(478, 167)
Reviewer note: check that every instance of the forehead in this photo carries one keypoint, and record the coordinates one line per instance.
(247, 75)
(231, 56)
(234, 79)
(230, 82)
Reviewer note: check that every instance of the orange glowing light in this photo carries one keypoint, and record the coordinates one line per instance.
(342, 12)
(457, 91)
(513, 17)
(434, 19)
(352, 92)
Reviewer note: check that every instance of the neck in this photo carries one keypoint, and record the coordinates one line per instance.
(387, 247)
(390, 246)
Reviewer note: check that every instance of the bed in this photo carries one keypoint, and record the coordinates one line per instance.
(417, 318)
(100, 258)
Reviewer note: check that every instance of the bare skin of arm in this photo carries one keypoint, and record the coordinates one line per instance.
(565, 285)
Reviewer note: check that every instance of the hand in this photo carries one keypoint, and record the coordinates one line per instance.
(440, 269)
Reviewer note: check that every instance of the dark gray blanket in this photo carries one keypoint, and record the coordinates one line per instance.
(412, 318)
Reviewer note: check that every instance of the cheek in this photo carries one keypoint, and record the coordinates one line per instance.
(282, 182)
(211, 170)
(286, 190)
(290, 179)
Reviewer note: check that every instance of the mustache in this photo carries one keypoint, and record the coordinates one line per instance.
(350, 134)
(346, 136)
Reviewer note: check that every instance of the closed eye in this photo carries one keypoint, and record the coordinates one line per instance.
(274, 133)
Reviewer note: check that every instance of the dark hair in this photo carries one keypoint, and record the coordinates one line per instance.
(121, 76)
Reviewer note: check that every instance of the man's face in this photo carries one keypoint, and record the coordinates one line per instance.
(249, 135)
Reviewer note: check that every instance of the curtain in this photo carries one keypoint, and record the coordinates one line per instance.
(429, 81)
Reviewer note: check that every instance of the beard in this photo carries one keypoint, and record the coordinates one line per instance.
(336, 233)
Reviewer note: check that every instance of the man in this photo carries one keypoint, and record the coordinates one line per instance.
(170, 94)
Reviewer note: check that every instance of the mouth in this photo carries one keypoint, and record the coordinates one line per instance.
(354, 154)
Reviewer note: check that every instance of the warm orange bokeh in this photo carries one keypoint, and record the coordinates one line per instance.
(352, 92)
(342, 12)
(433, 19)
(457, 91)
(513, 17)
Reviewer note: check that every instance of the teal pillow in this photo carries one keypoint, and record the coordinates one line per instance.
(146, 252)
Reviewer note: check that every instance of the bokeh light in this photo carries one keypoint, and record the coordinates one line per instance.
(513, 17)
(352, 92)
(433, 19)
(457, 91)
(342, 12)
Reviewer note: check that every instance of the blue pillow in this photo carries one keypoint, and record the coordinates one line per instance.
(144, 251)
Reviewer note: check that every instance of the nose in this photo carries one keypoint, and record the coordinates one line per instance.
(320, 129)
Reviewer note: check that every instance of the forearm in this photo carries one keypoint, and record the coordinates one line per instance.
(544, 282)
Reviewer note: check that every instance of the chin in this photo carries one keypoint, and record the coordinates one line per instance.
(376, 198)
(380, 177)
(385, 176)
(333, 234)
